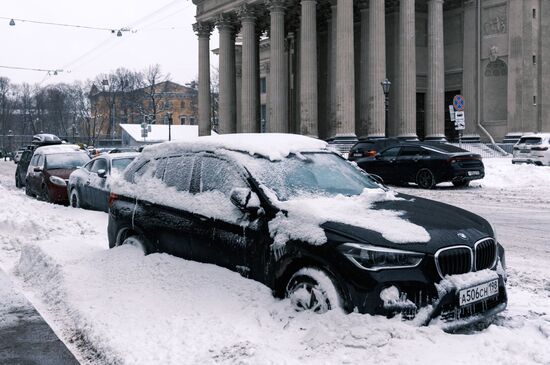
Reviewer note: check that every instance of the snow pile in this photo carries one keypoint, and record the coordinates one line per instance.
(500, 173)
(302, 218)
(274, 146)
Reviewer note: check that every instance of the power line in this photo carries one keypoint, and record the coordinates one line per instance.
(12, 23)
(52, 72)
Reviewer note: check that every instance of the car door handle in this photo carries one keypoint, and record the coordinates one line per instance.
(203, 219)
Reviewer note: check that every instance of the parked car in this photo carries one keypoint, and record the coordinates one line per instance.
(49, 170)
(370, 147)
(289, 213)
(425, 165)
(23, 164)
(88, 186)
(533, 148)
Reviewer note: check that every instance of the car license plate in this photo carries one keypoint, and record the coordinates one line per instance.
(478, 293)
(525, 151)
(473, 173)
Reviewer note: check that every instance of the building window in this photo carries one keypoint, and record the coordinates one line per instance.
(496, 68)
(534, 100)
(183, 120)
(534, 13)
(192, 120)
(534, 59)
(263, 118)
(182, 104)
(167, 104)
(263, 85)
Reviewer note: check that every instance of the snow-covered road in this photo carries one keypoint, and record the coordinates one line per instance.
(117, 306)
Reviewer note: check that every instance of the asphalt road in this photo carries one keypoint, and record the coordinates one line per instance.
(25, 338)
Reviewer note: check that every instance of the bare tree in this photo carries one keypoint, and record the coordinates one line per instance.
(152, 77)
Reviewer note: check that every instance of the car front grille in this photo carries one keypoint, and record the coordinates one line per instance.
(486, 253)
(456, 260)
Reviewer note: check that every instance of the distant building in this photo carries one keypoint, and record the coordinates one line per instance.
(152, 105)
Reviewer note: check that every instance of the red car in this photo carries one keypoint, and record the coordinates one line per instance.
(49, 171)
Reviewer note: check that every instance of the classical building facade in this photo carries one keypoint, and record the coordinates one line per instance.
(315, 67)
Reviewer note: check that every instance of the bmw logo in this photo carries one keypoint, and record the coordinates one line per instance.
(462, 236)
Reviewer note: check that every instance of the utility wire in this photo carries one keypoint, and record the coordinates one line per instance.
(112, 30)
(28, 68)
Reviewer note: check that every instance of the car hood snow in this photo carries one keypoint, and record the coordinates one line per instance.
(443, 222)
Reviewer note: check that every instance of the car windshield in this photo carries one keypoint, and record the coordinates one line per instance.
(309, 174)
(67, 160)
(530, 140)
(121, 163)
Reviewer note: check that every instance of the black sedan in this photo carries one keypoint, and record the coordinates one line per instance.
(88, 186)
(311, 227)
(425, 165)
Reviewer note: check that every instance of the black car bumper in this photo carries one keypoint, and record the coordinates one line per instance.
(457, 173)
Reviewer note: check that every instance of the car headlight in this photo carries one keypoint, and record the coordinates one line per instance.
(57, 181)
(376, 258)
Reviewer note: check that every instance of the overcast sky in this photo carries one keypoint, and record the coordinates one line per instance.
(160, 33)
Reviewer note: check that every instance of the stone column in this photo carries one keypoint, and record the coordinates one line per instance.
(331, 89)
(345, 71)
(204, 30)
(406, 73)
(376, 66)
(228, 97)
(249, 107)
(435, 98)
(308, 69)
(363, 69)
(278, 77)
(469, 68)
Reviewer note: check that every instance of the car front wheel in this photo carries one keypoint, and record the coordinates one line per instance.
(425, 179)
(75, 199)
(44, 194)
(311, 289)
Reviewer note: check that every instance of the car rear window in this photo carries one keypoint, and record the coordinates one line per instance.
(530, 140)
(178, 172)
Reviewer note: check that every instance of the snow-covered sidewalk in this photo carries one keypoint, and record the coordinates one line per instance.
(118, 306)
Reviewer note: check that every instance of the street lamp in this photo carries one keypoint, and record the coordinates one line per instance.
(386, 89)
(10, 141)
(169, 120)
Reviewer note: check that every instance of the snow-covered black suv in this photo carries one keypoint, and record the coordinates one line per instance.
(284, 210)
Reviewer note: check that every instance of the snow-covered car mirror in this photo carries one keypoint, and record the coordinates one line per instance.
(102, 173)
(245, 199)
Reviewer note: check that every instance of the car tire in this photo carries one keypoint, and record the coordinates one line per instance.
(425, 179)
(313, 290)
(44, 194)
(17, 182)
(137, 242)
(28, 191)
(74, 199)
(461, 184)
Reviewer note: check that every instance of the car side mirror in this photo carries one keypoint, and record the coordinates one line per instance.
(245, 199)
(37, 169)
(377, 156)
(102, 173)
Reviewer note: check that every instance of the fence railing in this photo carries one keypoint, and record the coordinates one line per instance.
(487, 150)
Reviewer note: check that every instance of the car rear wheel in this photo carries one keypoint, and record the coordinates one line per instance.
(17, 181)
(75, 199)
(425, 179)
(311, 289)
(461, 184)
(137, 242)
(28, 190)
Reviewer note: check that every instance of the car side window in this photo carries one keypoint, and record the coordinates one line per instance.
(409, 151)
(178, 172)
(88, 166)
(99, 164)
(40, 160)
(391, 152)
(219, 175)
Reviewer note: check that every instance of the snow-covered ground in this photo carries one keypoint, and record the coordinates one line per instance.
(118, 306)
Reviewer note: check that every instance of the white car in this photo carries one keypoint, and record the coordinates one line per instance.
(533, 148)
